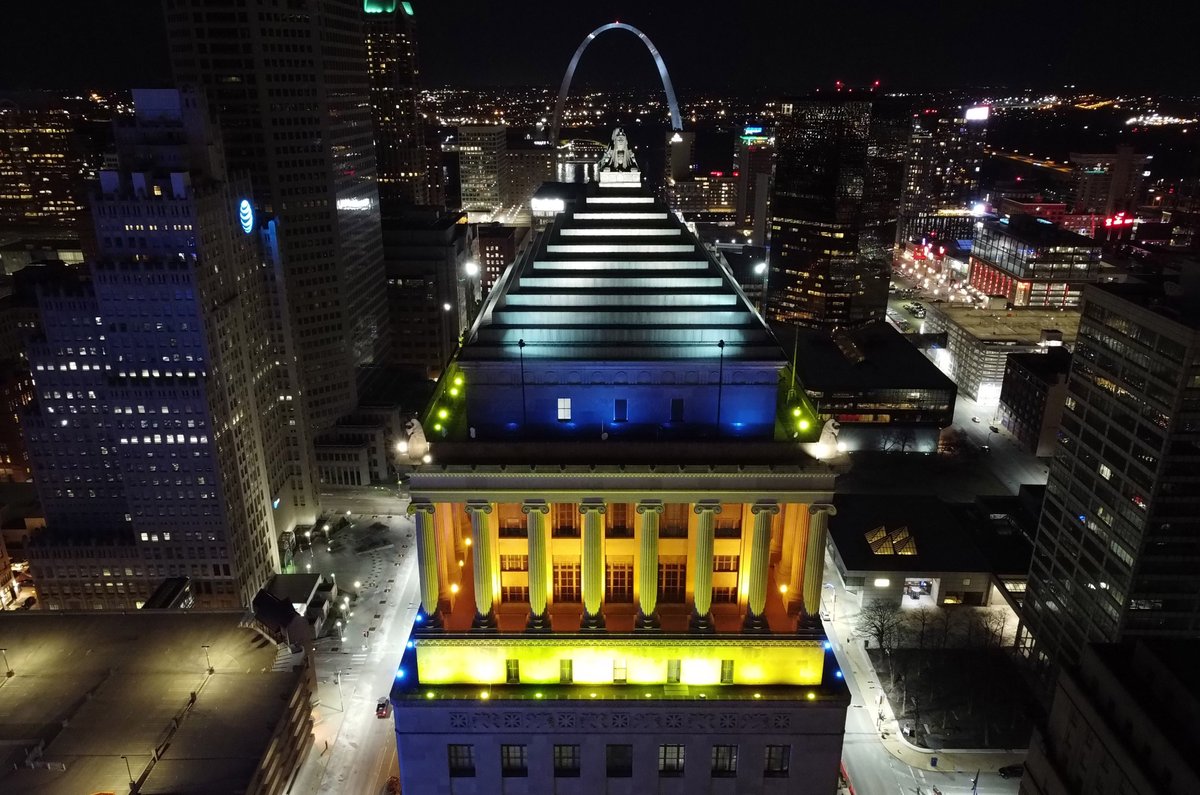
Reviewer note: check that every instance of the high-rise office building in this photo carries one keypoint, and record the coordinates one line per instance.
(399, 134)
(753, 167)
(291, 91)
(526, 166)
(40, 172)
(943, 159)
(819, 277)
(481, 157)
(160, 438)
(1122, 512)
(637, 602)
(1106, 184)
(498, 248)
(1031, 262)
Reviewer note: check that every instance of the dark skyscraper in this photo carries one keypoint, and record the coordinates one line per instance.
(819, 277)
(291, 90)
(399, 138)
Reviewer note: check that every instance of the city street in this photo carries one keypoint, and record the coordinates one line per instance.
(879, 766)
(354, 751)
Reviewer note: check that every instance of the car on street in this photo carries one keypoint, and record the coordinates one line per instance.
(974, 419)
(994, 428)
(383, 708)
(1012, 771)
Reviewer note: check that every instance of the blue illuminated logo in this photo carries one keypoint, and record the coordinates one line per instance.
(246, 216)
(752, 131)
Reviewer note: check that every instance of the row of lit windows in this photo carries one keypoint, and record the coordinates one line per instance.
(514, 760)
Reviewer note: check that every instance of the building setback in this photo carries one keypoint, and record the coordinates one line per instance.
(292, 95)
(1122, 513)
(607, 528)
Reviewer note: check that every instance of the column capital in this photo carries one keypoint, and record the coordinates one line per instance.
(535, 506)
(817, 508)
(481, 506)
(707, 505)
(420, 505)
(590, 504)
(765, 506)
(650, 506)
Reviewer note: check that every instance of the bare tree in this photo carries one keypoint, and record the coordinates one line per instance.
(945, 624)
(993, 622)
(920, 624)
(879, 620)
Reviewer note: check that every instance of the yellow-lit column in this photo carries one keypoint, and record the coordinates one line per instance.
(760, 564)
(481, 561)
(706, 511)
(647, 564)
(539, 562)
(591, 570)
(814, 559)
(422, 512)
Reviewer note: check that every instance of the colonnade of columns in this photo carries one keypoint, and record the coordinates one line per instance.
(592, 562)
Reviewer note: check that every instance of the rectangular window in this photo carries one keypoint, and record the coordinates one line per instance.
(674, 521)
(670, 760)
(620, 671)
(514, 563)
(726, 672)
(778, 760)
(462, 760)
(514, 760)
(512, 672)
(620, 410)
(566, 761)
(620, 522)
(673, 671)
(618, 581)
(725, 563)
(566, 581)
(566, 671)
(564, 409)
(724, 761)
(619, 761)
(566, 520)
(672, 581)
(676, 409)
(724, 594)
(514, 593)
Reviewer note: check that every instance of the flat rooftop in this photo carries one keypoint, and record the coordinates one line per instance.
(889, 361)
(1046, 367)
(1176, 300)
(1019, 326)
(1039, 232)
(94, 686)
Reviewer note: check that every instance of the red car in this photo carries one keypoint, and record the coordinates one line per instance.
(383, 709)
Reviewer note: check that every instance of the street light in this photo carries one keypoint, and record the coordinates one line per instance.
(762, 269)
(128, 770)
(471, 268)
(9, 672)
(206, 659)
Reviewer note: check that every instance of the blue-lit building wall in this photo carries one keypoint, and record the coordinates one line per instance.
(497, 406)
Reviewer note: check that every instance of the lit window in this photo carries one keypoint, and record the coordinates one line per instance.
(514, 760)
(564, 409)
(670, 760)
(724, 761)
(778, 759)
(462, 760)
(566, 761)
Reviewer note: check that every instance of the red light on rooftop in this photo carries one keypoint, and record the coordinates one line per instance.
(716, 173)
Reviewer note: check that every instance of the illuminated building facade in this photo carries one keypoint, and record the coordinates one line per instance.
(1122, 512)
(1032, 263)
(753, 166)
(40, 171)
(620, 544)
(481, 158)
(162, 441)
(400, 160)
(1106, 184)
(819, 277)
(292, 91)
(706, 199)
(525, 168)
(498, 247)
(943, 159)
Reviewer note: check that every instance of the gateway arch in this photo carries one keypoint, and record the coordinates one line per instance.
(676, 122)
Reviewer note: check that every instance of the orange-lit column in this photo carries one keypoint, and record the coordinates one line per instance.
(422, 512)
(539, 562)
(591, 570)
(647, 564)
(760, 564)
(814, 558)
(706, 511)
(481, 562)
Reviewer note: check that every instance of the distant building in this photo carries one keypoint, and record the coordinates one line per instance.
(498, 248)
(880, 389)
(41, 171)
(1054, 212)
(753, 168)
(1122, 509)
(1032, 397)
(1106, 184)
(979, 341)
(481, 159)
(400, 160)
(1032, 262)
(430, 295)
(943, 159)
(819, 276)
(709, 200)
(1122, 720)
(18, 251)
(525, 168)
(143, 696)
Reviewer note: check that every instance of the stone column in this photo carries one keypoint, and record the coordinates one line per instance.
(706, 511)
(814, 560)
(760, 564)
(539, 562)
(422, 512)
(647, 564)
(591, 570)
(481, 562)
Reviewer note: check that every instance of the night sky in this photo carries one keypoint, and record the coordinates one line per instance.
(771, 45)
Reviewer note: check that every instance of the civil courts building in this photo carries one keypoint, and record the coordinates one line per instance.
(620, 540)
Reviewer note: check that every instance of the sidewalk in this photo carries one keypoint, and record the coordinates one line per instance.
(949, 760)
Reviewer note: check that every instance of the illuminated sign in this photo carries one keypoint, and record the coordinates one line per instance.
(676, 138)
(246, 216)
(354, 205)
(547, 205)
(978, 113)
(752, 131)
